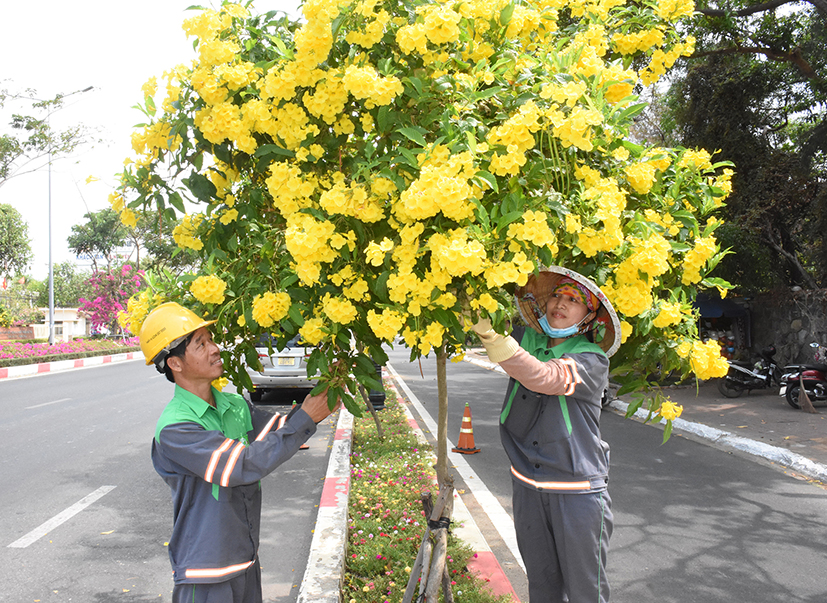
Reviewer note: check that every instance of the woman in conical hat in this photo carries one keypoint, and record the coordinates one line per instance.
(549, 426)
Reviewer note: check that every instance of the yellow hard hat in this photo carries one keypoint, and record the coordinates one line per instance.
(164, 325)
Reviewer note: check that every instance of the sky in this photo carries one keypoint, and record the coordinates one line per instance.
(54, 46)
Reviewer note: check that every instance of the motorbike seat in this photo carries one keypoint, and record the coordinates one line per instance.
(814, 367)
(742, 363)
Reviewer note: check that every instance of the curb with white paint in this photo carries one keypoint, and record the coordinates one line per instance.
(41, 368)
(775, 454)
(322, 582)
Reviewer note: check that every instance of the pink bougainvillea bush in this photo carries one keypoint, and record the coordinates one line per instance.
(112, 289)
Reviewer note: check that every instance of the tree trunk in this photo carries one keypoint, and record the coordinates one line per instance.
(442, 419)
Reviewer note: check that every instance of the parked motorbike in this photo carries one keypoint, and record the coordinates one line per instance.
(745, 376)
(813, 375)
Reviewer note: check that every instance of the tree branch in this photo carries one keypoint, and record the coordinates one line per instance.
(794, 56)
(808, 281)
(745, 12)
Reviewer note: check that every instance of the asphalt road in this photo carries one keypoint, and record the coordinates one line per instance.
(74, 446)
(693, 523)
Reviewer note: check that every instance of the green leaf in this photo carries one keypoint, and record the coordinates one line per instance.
(176, 201)
(489, 178)
(417, 85)
(200, 186)
(272, 149)
(415, 134)
(295, 314)
(506, 13)
(667, 431)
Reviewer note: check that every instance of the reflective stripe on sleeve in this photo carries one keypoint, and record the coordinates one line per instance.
(228, 468)
(573, 377)
(552, 485)
(268, 427)
(216, 456)
(217, 572)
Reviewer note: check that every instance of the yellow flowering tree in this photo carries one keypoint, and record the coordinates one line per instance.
(363, 174)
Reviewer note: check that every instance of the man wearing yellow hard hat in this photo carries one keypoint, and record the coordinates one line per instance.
(212, 448)
(558, 366)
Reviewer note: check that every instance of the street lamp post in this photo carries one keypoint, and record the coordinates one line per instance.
(51, 269)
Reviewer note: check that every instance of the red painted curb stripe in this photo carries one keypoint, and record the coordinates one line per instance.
(44, 367)
(79, 363)
(485, 565)
(107, 359)
(333, 486)
(4, 372)
(342, 434)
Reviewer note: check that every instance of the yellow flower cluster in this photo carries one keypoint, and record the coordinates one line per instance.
(516, 135)
(208, 289)
(386, 324)
(650, 256)
(339, 309)
(184, 233)
(270, 308)
(672, 10)
(365, 83)
(442, 186)
(517, 270)
(354, 201)
(704, 358)
(456, 255)
(137, 307)
(637, 41)
(153, 139)
(641, 176)
(669, 410)
(669, 314)
(289, 188)
(696, 258)
(308, 241)
(312, 331)
(534, 229)
(374, 27)
(424, 340)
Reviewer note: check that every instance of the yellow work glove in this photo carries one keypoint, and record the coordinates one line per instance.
(499, 347)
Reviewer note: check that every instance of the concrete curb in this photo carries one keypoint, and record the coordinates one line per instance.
(781, 456)
(322, 582)
(29, 370)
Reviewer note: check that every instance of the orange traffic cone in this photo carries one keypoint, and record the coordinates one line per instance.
(466, 434)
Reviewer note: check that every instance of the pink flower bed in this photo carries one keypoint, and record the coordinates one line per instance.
(38, 350)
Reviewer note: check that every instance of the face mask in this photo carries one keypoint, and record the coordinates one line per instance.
(558, 333)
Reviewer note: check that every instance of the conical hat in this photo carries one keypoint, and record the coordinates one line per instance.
(534, 295)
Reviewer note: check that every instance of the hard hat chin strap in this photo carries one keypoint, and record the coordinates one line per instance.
(161, 358)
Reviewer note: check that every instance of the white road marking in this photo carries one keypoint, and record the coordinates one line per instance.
(496, 513)
(63, 516)
(48, 403)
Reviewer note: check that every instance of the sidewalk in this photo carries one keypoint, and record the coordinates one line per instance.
(760, 423)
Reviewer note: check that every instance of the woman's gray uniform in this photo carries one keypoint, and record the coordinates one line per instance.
(559, 468)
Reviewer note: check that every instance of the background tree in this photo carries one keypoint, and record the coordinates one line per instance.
(15, 251)
(70, 284)
(29, 140)
(98, 238)
(755, 89)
